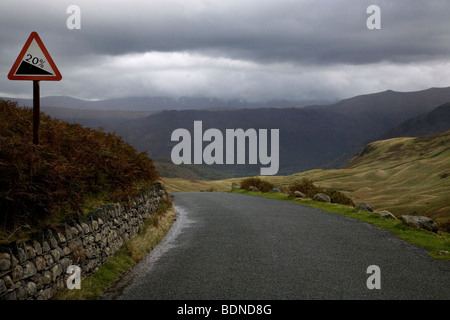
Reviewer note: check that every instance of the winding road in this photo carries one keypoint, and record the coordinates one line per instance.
(239, 247)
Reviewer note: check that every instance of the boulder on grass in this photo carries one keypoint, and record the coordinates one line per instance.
(364, 207)
(420, 222)
(386, 214)
(322, 197)
(299, 194)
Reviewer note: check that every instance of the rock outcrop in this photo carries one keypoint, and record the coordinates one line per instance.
(420, 222)
(364, 207)
(322, 197)
(299, 194)
(386, 214)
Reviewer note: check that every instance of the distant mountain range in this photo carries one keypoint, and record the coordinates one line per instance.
(315, 136)
(312, 137)
(161, 103)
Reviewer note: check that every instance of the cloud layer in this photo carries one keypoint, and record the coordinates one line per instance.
(252, 49)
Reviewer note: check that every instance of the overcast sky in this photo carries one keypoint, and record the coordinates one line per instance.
(248, 49)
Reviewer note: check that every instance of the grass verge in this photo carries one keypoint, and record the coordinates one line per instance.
(434, 242)
(154, 229)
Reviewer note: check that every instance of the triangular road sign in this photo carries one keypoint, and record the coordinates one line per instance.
(34, 62)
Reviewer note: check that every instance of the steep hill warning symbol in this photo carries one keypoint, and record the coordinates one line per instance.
(34, 62)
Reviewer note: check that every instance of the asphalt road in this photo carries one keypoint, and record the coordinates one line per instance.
(238, 247)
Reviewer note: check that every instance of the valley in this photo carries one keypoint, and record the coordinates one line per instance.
(310, 137)
(389, 149)
(406, 176)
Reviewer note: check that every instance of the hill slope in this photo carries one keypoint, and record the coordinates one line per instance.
(71, 167)
(402, 175)
(308, 138)
(428, 123)
(433, 122)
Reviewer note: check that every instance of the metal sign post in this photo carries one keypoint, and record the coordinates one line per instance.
(36, 111)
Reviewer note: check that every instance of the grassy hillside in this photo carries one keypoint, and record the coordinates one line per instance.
(71, 170)
(402, 175)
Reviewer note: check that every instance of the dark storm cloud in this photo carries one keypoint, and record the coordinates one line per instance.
(323, 31)
(202, 44)
(298, 31)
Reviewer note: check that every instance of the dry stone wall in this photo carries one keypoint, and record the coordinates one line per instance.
(36, 269)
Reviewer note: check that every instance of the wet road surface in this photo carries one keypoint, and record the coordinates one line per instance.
(236, 247)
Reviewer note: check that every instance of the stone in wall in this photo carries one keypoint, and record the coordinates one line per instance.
(36, 270)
